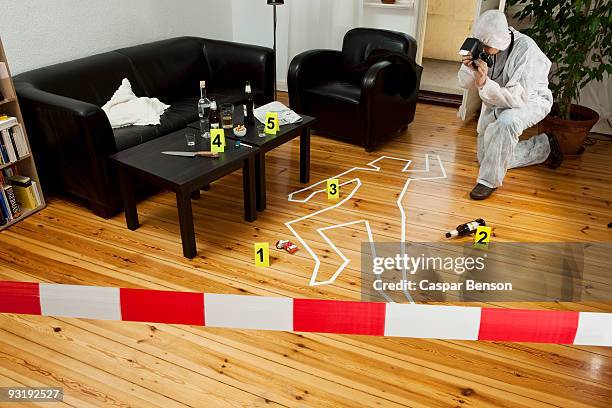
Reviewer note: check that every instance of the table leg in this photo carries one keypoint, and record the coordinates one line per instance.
(183, 203)
(305, 155)
(248, 187)
(260, 180)
(129, 199)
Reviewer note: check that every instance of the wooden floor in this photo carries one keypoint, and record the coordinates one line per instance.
(144, 365)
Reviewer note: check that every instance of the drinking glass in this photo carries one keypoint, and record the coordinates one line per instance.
(205, 128)
(190, 137)
(261, 129)
(227, 116)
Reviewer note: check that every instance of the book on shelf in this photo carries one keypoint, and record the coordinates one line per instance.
(4, 207)
(13, 144)
(4, 157)
(12, 201)
(7, 121)
(18, 194)
(25, 190)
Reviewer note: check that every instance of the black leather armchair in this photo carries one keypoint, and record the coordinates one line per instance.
(355, 101)
(71, 136)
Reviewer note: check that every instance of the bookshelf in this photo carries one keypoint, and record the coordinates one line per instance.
(10, 106)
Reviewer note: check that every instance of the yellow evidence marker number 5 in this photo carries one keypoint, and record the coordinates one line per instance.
(483, 235)
(217, 140)
(333, 189)
(272, 126)
(262, 254)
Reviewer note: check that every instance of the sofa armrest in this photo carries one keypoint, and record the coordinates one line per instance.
(71, 140)
(231, 63)
(309, 68)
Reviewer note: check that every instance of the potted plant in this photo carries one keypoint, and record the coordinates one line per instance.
(576, 36)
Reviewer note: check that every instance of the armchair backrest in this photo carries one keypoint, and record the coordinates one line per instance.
(360, 42)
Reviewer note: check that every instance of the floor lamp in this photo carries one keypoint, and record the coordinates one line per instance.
(275, 3)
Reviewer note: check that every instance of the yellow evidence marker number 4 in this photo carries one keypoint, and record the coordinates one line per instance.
(272, 126)
(262, 254)
(333, 190)
(483, 235)
(217, 140)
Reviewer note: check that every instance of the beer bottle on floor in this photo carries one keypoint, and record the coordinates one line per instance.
(215, 117)
(466, 229)
(250, 117)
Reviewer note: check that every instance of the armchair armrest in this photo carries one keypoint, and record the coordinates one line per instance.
(310, 67)
(388, 96)
(389, 79)
(71, 140)
(232, 63)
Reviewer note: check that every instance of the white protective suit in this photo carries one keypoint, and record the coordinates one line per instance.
(515, 99)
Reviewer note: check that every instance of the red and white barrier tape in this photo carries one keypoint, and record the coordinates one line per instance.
(306, 315)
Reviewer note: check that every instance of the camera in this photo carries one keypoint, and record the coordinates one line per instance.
(475, 48)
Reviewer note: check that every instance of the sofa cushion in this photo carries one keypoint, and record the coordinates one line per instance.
(338, 90)
(170, 69)
(131, 136)
(93, 79)
(181, 113)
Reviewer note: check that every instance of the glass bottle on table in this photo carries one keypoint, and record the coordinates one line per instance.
(250, 116)
(215, 116)
(204, 105)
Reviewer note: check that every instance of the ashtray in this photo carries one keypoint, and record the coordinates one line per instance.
(240, 131)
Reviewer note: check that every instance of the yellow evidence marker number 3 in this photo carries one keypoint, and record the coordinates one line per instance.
(333, 190)
(271, 126)
(217, 140)
(262, 254)
(483, 235)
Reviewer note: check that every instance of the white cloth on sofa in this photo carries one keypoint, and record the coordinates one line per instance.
(126, 109)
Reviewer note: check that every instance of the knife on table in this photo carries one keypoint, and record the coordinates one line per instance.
(193, 154)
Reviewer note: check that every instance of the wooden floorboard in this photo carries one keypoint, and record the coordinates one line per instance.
(123, 364)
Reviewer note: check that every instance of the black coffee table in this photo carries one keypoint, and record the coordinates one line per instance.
(267, 143)
(183, 175)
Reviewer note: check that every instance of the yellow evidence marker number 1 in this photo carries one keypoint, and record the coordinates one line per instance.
(272, 126)
(333, 190)
(483, 235)
(217, 140)
(262, 254)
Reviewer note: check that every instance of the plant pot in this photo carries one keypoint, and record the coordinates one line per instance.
(388, 1)
(570, 133)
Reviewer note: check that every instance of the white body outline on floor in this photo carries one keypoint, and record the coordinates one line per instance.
(374, 168)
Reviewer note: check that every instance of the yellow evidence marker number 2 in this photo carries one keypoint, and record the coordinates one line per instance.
(483, 235)
(271, 126)
(217, 140)
(262, 254)
(333, 190)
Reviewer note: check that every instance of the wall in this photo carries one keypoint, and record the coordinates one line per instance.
(403, 20)
(252, 23)
(448, 24)
(37, 32)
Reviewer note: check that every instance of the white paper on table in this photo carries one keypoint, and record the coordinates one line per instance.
(285, 115)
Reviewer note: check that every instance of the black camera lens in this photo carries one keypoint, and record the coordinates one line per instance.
(486, 58)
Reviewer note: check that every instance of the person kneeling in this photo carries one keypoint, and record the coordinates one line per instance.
(513, 86)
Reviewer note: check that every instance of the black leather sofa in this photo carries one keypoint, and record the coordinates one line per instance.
(71, 135)
(361, 108)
